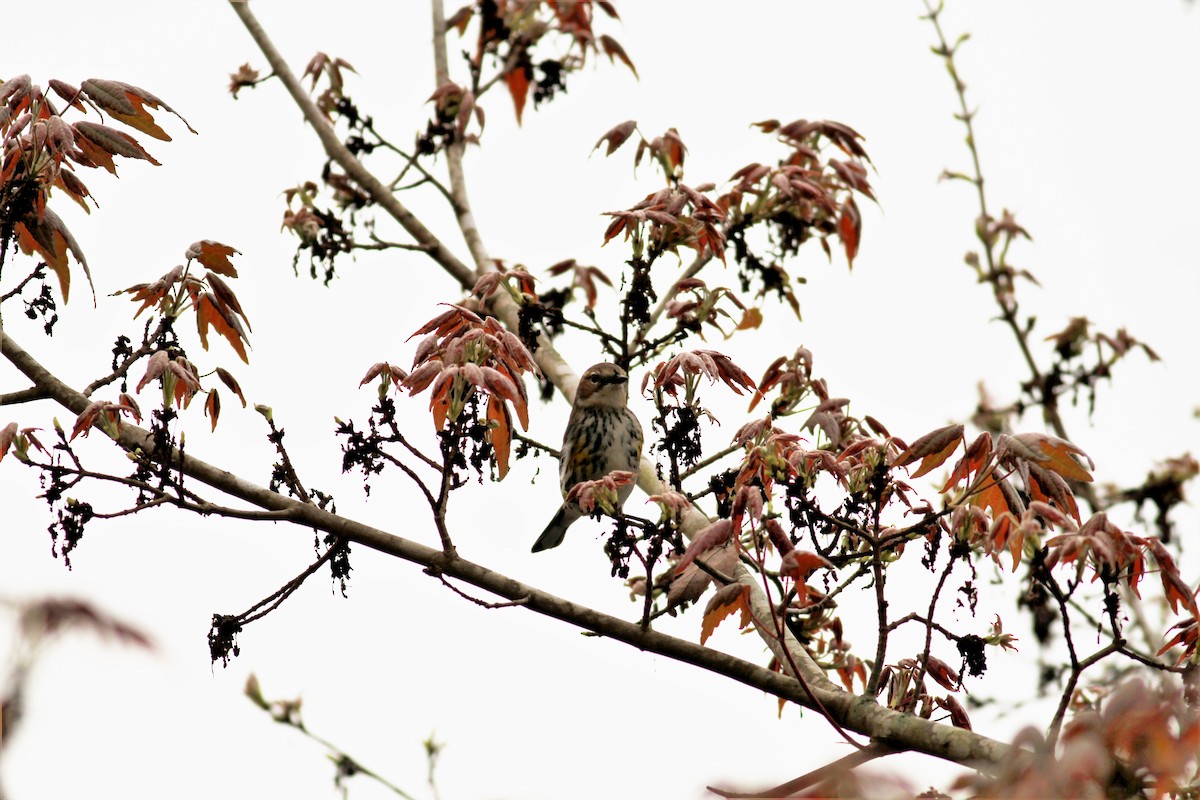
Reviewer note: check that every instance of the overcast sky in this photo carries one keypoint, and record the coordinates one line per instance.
(1087, 127)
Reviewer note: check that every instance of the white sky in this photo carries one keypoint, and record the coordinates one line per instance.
(1087, 127)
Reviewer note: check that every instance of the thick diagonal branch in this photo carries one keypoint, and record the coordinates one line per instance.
(852, 712)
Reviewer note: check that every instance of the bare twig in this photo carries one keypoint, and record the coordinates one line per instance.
(354, 168)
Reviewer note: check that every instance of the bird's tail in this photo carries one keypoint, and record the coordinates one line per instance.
(556, 530)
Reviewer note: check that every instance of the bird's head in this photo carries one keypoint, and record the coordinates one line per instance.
(603, 384)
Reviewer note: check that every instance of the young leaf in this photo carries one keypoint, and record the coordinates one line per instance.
(126, 103)
(208, 312)
(213, 255)
(517, 81)
(727, 600)
(499, 433)
(933, 449)
(212, 407)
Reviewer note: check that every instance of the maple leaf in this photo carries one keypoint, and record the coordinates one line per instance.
(850, 229)
(7, 435)
(714, 535)
(727, 600)
(209, 311)
(499, 433)
(213, 255)
(127, 104)
(613, 50)
(49, 238)
(1057, 455)
(517, 80)
(100, 142)
(933, 449)
(616, 136)
(212, 407)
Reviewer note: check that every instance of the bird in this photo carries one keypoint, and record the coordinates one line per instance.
(602, 436)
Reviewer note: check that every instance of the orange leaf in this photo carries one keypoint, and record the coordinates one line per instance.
(972, 461)
(933, 448)
(616, 137)
(613, 50)
(1058, 456)
(232, 383)
(109, 140)
(213, 255)
(850, 229)
(518, 86)
(50, 239)
(725, 602)
(212, 407)
(7, 434)
(126, 103)
(499, 433)
(209, 313)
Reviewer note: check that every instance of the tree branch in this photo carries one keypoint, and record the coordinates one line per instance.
(859, 714)
(354, 168)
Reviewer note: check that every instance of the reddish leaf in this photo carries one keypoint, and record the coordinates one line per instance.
(499, 433)
(799, 564)
(50, 239)
(7, 434)
(517, 80)
(714, 535)
(155, 367)
(933, 449)
(225, 297)
(460, 19)
(617, 136)
(958, 714)
(850, 229)
(212, 407)
(1057, 455)
(92, 136)
(613, 50)
(941, 672)
(126, 103)
(213, 255)
(208, 312)
(973, 460)
(727, 600)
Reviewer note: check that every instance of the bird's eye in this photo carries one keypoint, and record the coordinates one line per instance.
(594, 378)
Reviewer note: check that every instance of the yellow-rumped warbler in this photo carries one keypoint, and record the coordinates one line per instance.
(602, 436)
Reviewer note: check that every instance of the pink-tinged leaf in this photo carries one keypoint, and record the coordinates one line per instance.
(617, 136)
(727, 600)
(50, 239)
(68, 93)
(212, 407)
(958, 714)
(155, 367)
(1057, 455)
(126, 103)
(92, 136)
(933, 449)
(714, 535)
(7, 434)
(232, 383)
(89, 416)
(613, 50)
